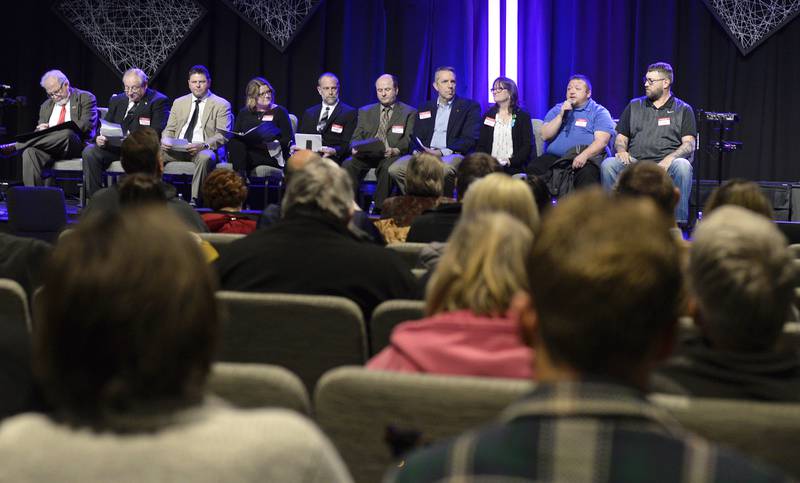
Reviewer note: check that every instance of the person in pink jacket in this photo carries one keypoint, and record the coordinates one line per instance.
(467, 330)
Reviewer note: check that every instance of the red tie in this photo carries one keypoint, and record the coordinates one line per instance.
(63, 115)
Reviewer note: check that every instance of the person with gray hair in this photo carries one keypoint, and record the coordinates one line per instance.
(64, 103)
(741, 280)
(136, 106)
(311, 251)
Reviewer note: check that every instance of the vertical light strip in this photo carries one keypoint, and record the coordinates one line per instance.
(494, 44)
(511, 39)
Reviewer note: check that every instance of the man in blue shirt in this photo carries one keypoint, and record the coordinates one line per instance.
(578, 128)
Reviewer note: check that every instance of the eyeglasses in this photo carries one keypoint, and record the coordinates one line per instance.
(651, 81)
(498, 89)
(265, 94)
(56, 92)
(133, 88)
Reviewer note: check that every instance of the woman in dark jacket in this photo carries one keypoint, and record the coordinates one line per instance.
(506, 132)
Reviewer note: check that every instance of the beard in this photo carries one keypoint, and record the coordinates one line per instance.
(654, 94)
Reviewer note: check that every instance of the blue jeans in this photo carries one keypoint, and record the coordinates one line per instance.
(680, 171)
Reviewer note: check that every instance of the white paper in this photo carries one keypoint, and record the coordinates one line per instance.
(110, 129)
(175, 144)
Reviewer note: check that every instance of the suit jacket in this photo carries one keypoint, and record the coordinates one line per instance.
(369, 118)
(153, 106)
(462, 127)
(83, 112)
(521, 137)
(216, 114)
(344, 117)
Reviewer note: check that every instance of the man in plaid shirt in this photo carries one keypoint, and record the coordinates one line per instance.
(606, 289)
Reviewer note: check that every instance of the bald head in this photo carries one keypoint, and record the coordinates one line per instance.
(298, 161)
(386, 89)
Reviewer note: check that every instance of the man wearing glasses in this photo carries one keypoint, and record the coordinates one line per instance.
(659, 128)
(65, 103)
(138, 106)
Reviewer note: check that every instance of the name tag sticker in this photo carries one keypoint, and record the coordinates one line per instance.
(398, 129)
(267, 117)
(489, 121)
(581, 122)
(663, 121)
(144, 121)
(337, 128)
(425, 115)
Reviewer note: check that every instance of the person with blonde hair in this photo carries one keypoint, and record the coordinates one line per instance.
(467, 330)
(501, 192)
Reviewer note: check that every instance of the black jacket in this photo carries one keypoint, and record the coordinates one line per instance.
(521, 136)
(338, 131)
(462, 127)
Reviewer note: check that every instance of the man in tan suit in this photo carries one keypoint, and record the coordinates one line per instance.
(196, 117)
(65, 103)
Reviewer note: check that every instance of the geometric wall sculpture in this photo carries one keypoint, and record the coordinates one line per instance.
(751, 22)
(278, 21)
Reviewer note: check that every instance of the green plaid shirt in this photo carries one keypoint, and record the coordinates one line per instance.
(581, 432)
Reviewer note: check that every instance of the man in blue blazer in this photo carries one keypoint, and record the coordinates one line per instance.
(447, 127)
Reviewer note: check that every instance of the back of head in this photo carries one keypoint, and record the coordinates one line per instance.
(501, 192)
(141, 189)
(742, 277)
(129, 321)
(425, 176)
(605, 282)
(320, 186)
(649, 180)
(482, 267)
(223, 189)
(541, 193)
(141, 152)
(298, 161)
(739, 192)
(473, 167)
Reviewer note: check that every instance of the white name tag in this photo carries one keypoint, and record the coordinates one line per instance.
(425, 115)
(663, 121)
(337, 128)
(267, 117)
(581, 122)
(144, 121)
(398, 129)
(489, 121)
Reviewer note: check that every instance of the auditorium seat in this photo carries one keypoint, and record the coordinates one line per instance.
(409, 251)
(220, 240)
(37, 212)
(387, 315)
(14, 312)
(258, 386)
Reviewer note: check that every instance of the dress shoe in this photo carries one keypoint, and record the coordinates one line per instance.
(8, 149)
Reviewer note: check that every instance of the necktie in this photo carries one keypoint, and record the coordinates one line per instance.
(384, 125)
(131, 108)
(192, 121)
(63, 115)
(323, 121)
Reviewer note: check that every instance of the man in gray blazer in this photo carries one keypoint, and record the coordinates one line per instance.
(195, 118)
(392, 122)
(65, 103)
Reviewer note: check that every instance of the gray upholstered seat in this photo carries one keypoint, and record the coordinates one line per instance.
(409, 251)
(219, 240)
(14, 304)
(307, 334)
(387, 315)
(355, 406)
(258, 386)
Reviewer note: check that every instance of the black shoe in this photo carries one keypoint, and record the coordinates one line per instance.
(8, 149)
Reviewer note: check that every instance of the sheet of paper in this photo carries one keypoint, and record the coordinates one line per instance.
(175, 144)
(110, 129)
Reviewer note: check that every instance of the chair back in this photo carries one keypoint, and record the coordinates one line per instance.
(357, 408)
(258, 386)
(220, 240)
(37, 212)
(14, 311)
(307, 334)
(763, 430)
(409, 251)
(293, 120)
(538, 140)
(387, 315)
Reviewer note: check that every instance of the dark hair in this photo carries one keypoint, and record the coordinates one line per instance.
(602, 308)
(129, 320)
(513, 91)
(224, 188)
(140, 152)
(141, 189)
(583, 78)
(442, 68)
(251, 91)
(541, 193)
(200, 69)
(648, 179)
(425, 175)
(739, 192)
(474, 166)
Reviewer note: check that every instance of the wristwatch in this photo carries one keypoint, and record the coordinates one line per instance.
(206, 146)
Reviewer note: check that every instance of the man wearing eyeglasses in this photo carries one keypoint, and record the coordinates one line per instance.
(138, 106)
(65, 103)
(659, 128)
(332, 119)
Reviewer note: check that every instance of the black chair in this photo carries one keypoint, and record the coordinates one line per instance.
(37, 212)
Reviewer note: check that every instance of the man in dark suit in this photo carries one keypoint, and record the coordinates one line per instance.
(138, 106)
(65, 103)
(392, 122)
(447, 127)
(333, 119)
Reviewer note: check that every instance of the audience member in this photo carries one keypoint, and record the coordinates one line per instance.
(541, 193)
(225, 192)
(599, 320)
(311, 251)
(739, 192)
(127, 334)
(467, 330)
(506, 132)
(741, 280)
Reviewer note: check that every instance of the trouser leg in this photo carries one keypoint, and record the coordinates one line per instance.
(95, 161)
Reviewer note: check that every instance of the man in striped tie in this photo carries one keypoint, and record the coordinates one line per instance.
(334, 120)
(64, 103)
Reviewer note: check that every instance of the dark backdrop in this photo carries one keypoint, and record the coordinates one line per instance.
(610, 41)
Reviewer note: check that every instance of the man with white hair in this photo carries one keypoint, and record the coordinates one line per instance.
(64, 103)
(741, 281)
(311, 251)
